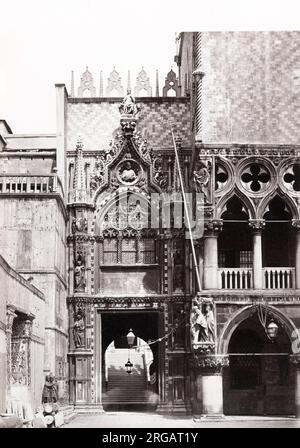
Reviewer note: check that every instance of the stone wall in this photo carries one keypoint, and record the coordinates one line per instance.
(33, 241)
(251, 87)
(26, 299)
(96, 121)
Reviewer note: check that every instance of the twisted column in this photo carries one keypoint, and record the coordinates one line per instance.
(198, 75)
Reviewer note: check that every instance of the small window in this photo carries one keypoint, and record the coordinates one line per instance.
(110, 251)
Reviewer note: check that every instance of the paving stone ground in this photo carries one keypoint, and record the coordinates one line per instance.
(147, 420)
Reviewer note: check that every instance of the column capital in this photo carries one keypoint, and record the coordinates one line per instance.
(257, 225)
(295, 360)
(10, 315)
(296, 224)
(210, 363)
(212, 227)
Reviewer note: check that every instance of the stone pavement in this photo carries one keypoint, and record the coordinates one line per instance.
(148, 420)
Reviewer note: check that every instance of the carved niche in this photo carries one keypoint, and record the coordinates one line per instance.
(202, 325)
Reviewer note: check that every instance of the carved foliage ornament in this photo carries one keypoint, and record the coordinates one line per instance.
(214, 363)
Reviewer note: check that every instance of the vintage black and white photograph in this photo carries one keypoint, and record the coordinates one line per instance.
(149, 217)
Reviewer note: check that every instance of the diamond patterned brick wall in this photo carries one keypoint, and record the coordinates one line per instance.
(251, 87)
(96, 122)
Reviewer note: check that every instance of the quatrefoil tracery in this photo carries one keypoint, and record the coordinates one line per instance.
(255, 178)
(292, 178)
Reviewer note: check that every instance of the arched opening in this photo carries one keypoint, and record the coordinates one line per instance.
(127, 390)
(235, 256)
(260, 379)
(138, 390)
(278, 245)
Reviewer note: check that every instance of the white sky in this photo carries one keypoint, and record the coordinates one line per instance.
(41, 41)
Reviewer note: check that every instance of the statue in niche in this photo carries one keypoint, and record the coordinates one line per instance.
(78, 329)
(79, 272)
(202, 322)
(201, 178)
(50, 390)
(128, 105)
(178, 272)
(128, 174)
(79, 225)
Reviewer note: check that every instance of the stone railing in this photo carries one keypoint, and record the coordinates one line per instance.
(235, 278)
(278, 278)
(28, 184)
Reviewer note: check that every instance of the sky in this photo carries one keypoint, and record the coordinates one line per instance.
(42, 41)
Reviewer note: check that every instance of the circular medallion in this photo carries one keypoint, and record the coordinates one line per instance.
(128, 172)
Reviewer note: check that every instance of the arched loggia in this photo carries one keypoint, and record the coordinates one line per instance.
(260, 379)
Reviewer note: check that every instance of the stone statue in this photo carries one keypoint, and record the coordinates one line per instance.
(78, 329)
(128, 174)
(201, 178)
(128, 106)
(79, 279)
(50, 390)
(202, 322)
(79, 225)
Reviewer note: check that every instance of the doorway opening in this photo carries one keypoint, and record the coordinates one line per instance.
(131, 374)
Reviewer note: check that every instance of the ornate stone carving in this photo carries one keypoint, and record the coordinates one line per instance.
(213, 225)
(79, 224)
(142, 83)
(160, 177)
(79, 271)
(78, 327)
(201, 178)
(86, 83)
(171, 85)
(202, 324)
(114, 84)
(257, 225)
(296, 224)
(128, 172)
(291, 178)
(213, 363)
(20, 352)
(295, 360)
(128, 105)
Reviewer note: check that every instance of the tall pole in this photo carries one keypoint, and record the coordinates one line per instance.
(186, 212)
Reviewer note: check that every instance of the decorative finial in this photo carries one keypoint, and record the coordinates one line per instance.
(128, 81)
(128, 105)
(157, 84)
(72, 84)
(101, 85)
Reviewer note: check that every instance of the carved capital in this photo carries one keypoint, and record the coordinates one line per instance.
(295, 360)
(257, 225)
(10, 315)
(296, 224)
(211, 363)
(213, 226)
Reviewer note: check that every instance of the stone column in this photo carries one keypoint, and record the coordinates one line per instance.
(296, 225)
(198, 76)
(257, 225)
(209, 384)
(295, 360)
(10, 315)
(210, 255)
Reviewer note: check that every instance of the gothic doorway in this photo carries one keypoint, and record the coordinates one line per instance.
(260, 379)
(141, 389)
